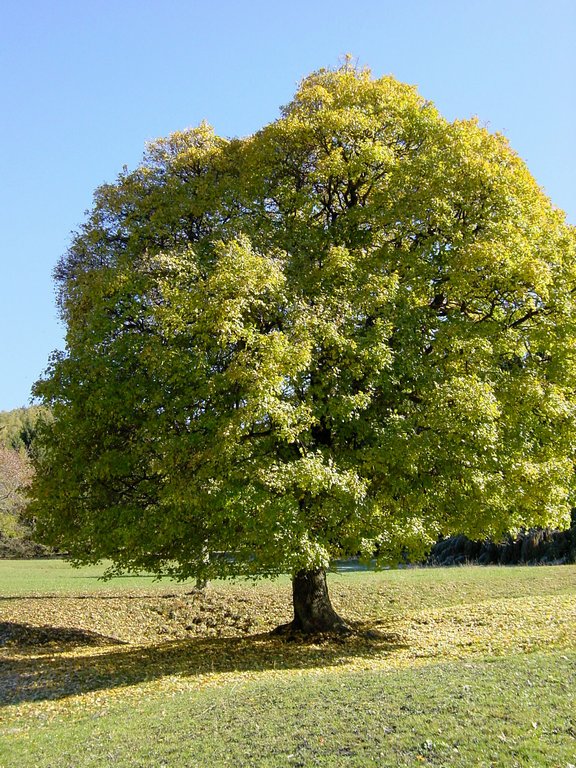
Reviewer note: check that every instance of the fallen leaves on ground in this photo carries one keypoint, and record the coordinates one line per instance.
(79, 653)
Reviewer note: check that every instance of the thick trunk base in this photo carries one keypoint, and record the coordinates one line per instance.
(313, 611)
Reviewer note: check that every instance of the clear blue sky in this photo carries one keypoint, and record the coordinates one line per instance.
(85, 84)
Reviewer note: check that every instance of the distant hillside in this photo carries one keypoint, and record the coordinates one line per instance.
(18, 427)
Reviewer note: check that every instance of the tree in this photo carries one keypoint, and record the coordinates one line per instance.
(350, 333)
(17, 431)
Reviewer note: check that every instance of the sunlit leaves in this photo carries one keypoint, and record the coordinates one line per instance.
(351, 332)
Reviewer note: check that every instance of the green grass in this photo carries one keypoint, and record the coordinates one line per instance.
(56, 576)
(514, 712)
(53, 576)
(475, 667)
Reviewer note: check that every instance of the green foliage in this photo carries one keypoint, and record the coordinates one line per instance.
(350, 332)
(18, 427)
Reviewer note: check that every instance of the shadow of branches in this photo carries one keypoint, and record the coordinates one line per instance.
(25, 637)
(49, 676)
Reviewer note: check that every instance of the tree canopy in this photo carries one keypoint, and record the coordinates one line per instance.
(349, 333)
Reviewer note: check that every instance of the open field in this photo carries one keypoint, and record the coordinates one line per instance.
(474, 667)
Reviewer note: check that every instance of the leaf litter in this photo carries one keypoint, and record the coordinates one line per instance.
(63, 655)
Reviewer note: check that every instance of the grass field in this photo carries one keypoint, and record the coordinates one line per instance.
(474, 667)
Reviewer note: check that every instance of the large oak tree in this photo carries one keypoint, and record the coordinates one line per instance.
(350, 333)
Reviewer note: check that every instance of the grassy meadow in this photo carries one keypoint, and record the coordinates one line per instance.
(472, 667)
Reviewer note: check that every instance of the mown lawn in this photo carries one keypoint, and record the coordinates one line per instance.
(473, 667)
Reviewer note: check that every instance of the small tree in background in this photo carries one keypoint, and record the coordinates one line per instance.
(350, 333)
(15, 475)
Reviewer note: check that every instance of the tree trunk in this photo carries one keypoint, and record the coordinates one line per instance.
(313, 611)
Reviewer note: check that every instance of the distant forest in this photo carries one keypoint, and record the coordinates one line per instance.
(18, 427)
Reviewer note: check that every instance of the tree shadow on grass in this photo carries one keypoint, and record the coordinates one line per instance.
(138, 595)
(27, 637)
(49, 676)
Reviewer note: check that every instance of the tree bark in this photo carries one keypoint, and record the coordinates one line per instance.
(313, 611)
